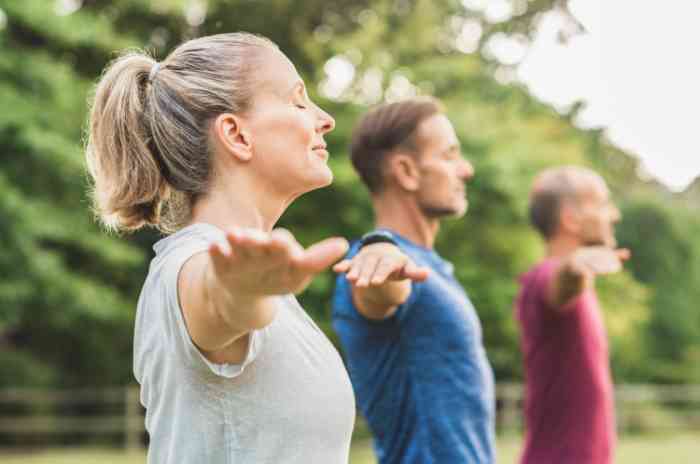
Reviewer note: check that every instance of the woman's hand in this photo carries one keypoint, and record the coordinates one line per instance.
(255, 263)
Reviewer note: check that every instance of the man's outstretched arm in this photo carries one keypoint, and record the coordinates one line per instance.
(576, 272)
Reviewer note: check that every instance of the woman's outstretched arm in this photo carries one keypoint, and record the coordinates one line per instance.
(230, 290)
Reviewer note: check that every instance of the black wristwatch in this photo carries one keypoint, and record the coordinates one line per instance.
(377, 236)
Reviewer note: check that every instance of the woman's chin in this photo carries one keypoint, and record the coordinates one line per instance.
(324, 178)
(319, 179)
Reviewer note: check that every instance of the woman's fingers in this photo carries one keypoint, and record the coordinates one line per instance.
(280, 246)
(218, 255)
(272, 263)
(321, 255)
(246, 242)
(252, 244)
(342, 266)
(284, 245)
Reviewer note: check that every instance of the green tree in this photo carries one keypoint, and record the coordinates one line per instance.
(69, 290)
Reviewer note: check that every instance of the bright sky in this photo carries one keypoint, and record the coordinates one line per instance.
(637, 68)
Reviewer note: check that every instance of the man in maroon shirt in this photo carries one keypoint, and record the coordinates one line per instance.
(569, 408)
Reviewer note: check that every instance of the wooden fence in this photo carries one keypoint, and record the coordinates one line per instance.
(50, 413)
(639, 408)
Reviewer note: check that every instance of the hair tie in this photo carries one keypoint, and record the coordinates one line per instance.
(154, 70)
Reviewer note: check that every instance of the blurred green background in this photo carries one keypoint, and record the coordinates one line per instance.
(68, 290)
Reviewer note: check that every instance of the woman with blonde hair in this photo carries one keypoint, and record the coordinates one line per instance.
(210, 146)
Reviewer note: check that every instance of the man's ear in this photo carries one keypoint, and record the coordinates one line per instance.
(230, 133)
(403, 168)
(569, 218)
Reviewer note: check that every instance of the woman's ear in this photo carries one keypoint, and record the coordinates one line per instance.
(230, 133)
(404, 170)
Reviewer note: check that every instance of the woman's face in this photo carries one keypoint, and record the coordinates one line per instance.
(287, 129)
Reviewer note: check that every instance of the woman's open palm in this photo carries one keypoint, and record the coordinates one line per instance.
(253, 262)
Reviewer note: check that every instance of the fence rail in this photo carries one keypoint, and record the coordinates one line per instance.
(117, 411)
(639, 407)
(43, 413)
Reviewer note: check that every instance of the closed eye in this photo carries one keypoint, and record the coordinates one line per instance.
(453, 154)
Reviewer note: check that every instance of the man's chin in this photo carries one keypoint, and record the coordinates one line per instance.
(437, 212)
(601, 243)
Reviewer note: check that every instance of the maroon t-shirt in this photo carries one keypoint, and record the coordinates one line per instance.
(569, 404)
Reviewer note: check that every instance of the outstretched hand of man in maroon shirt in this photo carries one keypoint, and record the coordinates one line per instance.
(578, 270)
(594, 260)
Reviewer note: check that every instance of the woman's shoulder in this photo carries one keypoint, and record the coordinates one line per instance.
(194, 235)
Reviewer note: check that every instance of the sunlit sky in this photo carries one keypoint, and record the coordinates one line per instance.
(637, 68)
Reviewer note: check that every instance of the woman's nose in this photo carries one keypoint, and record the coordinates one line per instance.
(326, 123)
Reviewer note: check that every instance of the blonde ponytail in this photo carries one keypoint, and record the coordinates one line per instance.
(128, 184)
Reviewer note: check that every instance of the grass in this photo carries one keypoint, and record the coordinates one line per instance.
(677, 449)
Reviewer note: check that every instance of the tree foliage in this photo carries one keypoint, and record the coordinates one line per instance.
(69, 290)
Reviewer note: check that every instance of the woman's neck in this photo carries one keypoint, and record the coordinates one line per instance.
(243, 206)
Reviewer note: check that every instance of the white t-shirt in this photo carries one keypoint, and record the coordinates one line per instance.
(290, 401)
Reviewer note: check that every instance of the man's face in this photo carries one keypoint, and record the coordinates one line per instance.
(597, 216)
(443, 170)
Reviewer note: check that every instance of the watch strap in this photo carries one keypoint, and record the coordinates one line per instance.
(377, 236)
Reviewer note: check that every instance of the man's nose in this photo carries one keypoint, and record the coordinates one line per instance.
(466, 170)
(616, 214)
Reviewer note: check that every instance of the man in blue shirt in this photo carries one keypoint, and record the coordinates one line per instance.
(411, 337)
